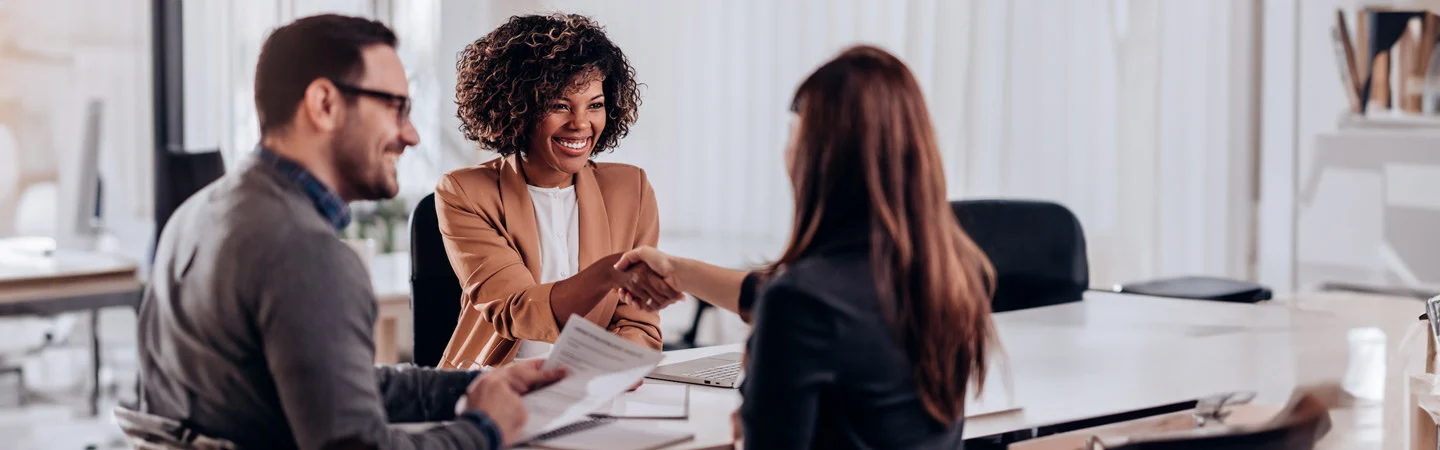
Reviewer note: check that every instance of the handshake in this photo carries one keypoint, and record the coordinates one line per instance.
(647, 279)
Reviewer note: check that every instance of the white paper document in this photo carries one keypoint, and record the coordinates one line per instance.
(599, 365)
(654, 400)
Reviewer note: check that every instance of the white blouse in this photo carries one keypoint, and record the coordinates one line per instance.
(557, 221)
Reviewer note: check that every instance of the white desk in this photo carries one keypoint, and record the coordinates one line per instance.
(1113, 353)
(36, 284)
(1110, 354)
(39, 283)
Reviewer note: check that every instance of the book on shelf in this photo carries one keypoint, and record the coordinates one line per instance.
(1386, 65)
(1345, 57)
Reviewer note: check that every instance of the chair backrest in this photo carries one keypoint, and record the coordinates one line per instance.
(434, 289)
(1037, 248)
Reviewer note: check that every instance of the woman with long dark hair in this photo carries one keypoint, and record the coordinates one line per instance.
(870, 326)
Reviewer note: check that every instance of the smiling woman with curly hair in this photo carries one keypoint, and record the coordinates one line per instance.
(533, 235)
(506, 78)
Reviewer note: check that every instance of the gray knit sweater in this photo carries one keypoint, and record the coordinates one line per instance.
(257, 327)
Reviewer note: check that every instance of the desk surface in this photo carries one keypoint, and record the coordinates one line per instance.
(1109, 354)
(25, 260)
(36, 283)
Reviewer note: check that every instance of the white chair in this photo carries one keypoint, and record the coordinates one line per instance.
(35, 213)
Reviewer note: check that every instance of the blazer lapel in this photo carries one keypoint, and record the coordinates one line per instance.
(520, 216)
(594, 234)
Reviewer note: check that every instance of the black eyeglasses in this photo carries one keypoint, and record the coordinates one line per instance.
(400, 102)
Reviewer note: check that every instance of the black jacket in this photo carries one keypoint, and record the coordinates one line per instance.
(824, 368)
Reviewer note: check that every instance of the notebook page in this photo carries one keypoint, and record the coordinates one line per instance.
(652, 401)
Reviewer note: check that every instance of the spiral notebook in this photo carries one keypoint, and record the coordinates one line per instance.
(603, 433)
(575, 428)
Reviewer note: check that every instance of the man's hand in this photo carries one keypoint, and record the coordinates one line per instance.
(497, 394)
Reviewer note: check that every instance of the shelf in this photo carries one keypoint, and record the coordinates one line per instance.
(1389, 120)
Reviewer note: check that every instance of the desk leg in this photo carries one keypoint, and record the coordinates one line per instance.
(386, 351)
(95, 362)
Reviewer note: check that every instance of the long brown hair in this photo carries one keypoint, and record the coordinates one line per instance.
(865, 152)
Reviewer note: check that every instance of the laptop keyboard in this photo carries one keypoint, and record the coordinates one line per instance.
(725, 372)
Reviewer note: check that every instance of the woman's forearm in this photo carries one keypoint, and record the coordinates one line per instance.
(581, 292)
(713, 284)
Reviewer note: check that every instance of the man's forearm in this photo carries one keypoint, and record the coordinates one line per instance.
(415, 394)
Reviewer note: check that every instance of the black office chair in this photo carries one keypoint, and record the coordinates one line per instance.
(688, 338)
(434, 289)
(1037, 248)
(184, 175)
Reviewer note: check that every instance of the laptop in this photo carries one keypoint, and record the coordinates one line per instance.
(721, 370)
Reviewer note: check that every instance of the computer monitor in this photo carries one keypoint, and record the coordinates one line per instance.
(80, 225)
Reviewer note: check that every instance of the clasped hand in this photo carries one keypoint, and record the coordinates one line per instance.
(650, 282)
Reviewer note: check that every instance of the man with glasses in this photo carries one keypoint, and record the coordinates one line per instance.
(256, 330)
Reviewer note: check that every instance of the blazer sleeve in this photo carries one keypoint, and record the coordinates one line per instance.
(629, 322)
(792, 349)
(749, 290)
(493, 277)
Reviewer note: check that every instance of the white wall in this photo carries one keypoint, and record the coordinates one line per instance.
(56, 55)
(1138, 115)
(223, 41)
(1275, 221)
(1081, 102)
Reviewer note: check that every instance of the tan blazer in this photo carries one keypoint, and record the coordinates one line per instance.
(487, 221)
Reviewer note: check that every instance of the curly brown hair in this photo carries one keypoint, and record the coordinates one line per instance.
(508, 76)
